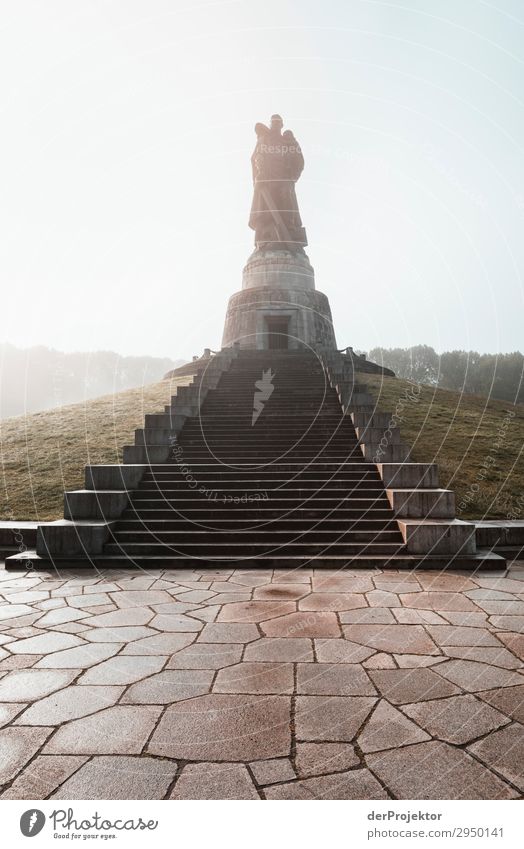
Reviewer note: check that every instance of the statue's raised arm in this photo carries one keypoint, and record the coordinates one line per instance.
(277, 163)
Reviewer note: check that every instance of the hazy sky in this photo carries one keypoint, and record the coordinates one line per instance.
(126, 136)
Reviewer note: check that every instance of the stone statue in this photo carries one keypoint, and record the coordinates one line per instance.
(277, 164)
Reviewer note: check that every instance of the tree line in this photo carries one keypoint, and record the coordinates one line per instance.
(492, 375)
(38, 378)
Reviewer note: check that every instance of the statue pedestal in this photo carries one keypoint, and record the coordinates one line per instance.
(278, 268)
(278, 306)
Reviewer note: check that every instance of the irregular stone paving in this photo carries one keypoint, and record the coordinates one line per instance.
(261, 684)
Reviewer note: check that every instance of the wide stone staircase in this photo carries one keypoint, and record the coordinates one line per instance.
(268, 458)
(289, 482)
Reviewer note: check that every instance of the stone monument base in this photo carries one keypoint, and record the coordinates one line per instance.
(278, 306)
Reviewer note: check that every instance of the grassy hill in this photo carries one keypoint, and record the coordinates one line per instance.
(478, 445)
(45, 453)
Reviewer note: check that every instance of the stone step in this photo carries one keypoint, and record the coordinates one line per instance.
(234, 550)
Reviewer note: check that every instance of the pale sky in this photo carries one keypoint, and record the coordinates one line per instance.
(126, 137)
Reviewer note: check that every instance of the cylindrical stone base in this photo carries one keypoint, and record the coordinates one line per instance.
(283, 269)
(281, 317)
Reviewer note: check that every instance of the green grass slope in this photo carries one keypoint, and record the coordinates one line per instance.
(44, 454)
(478, 444)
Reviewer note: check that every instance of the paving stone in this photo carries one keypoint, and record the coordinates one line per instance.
(225, 587)
(405, 639)
(24, 632)
(206, 614)
(388, 728)
(490, 594)
(394, 577)
(14, 611)
(355, 784)
(206, 656)
(177, 623)
(445, 581)
(27, 685)
(300, 575)
(255, 611)
(436, 770)
(69, 703)
(304, 624)
(412, 661)
(198, 596)
(19, 661)
(17, 747)
(161, 644)
(450, 635)
(505, 584)
(248, 579)
(280, 649)
(52, 604)
(140, 598)
(140, 582)
(505, 607)
(44, 643)
(73, 628)
(458, 719)
(508, 623)
(494, 656)
(321, 758)
(123, 670)
(473, 676)
(21, 621)
(122, 729)
(438, 601)
(215, 781)
(341, 583)
(458, 617)
(347, 679)
(382, 598)
(232, 598)
(89, 600)
(341, 651)
(26, 597)
(8, 712)
(397, 585)
(175, 607)
(255, 678)
(61, 615)
(368, 616)
(514, 642)
(509, 700)
(504, 752)
(409, 616)
(402, 686)
(118, 635)
(379, 661)
(225, 727)
(331, 601)
(81, 657)
(119, 618)
(170, 686)
(281, 592)
(326, 718)
(273, 771)
(226, 632)
(44, 775)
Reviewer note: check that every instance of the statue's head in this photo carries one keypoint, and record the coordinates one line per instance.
(276, 122)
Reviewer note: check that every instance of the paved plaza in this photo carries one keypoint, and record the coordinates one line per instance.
(261, 684)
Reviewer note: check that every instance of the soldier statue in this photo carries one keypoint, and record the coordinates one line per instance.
(277, 164)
